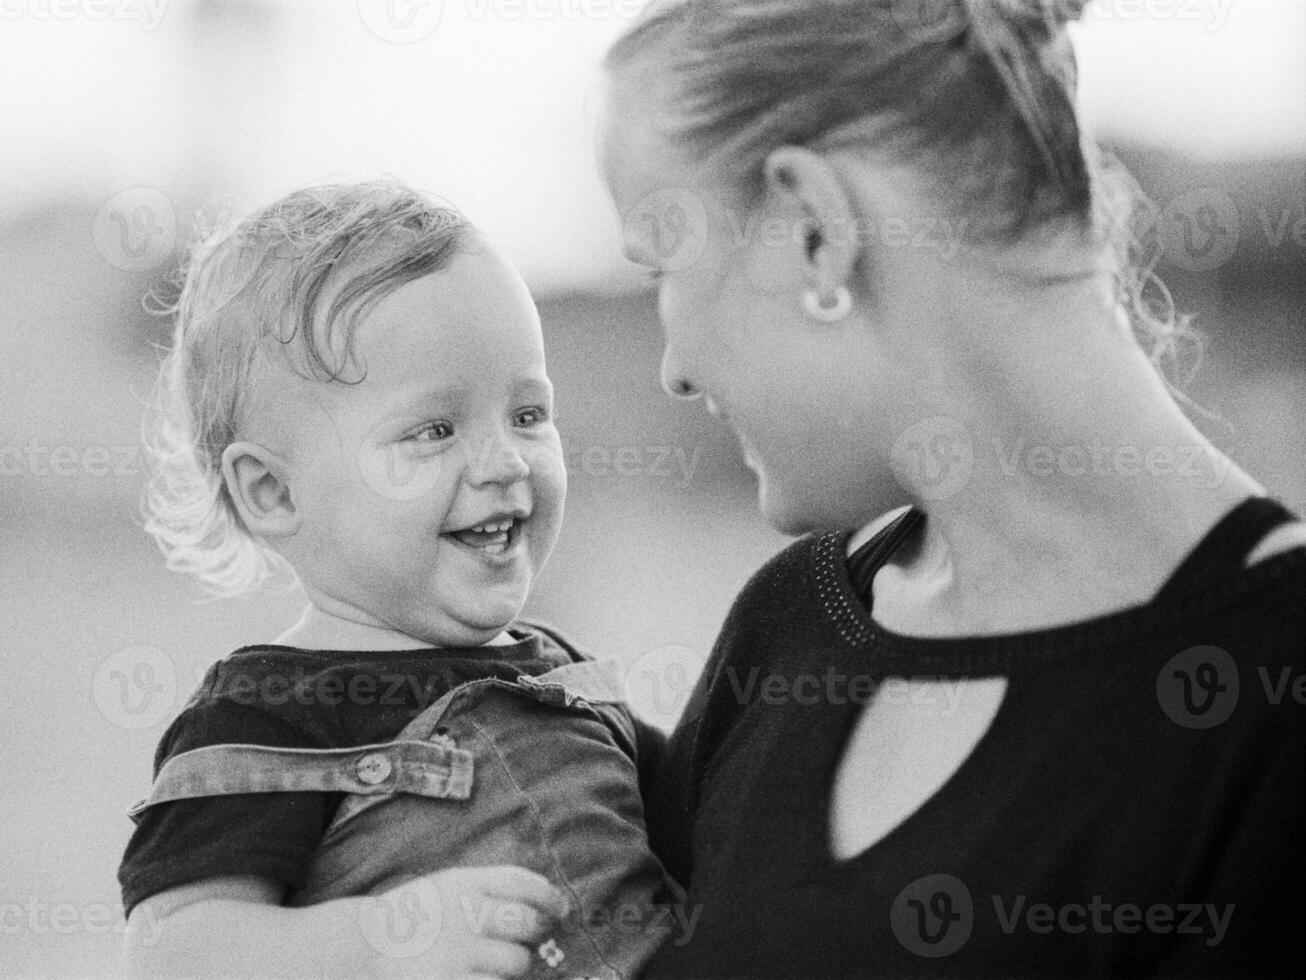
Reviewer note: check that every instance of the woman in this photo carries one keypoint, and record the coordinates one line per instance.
(1042, 721)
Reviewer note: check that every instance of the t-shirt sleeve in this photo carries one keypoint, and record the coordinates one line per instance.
(268, 835)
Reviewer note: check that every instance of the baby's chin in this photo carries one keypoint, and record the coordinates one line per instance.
(460, 633)
(472, 627)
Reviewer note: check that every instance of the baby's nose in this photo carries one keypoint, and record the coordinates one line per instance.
(497, 461)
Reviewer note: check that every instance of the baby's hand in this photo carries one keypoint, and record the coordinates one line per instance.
(465, 922)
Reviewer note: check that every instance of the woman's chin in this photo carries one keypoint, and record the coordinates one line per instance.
(782, 512)
(794, 512)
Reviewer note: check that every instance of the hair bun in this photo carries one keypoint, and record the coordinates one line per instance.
(1025, 43)
(1051, 14)
(1065, 11)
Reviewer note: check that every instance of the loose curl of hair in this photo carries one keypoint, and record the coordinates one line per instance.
(978, 96)
(290, 281)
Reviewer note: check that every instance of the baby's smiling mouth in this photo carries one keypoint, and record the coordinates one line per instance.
(492, 537)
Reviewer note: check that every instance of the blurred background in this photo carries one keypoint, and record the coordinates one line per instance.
(129, 126)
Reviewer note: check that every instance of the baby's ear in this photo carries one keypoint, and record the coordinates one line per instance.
(257, 482)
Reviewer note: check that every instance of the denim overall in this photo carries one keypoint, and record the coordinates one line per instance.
(538, 772)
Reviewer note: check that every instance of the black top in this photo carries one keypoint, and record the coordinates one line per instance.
(292, 698)
(1136, 807)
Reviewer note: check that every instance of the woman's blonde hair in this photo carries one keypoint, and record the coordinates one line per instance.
(978, 96)
(290, 281)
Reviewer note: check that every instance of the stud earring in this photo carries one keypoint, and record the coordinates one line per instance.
(815, 307)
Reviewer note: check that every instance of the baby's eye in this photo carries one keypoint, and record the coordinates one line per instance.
(430, 432)
(529, 417)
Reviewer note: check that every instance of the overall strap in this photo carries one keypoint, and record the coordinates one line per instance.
(423, 729)
(381, 769)
(598, 681)
(1226, 546)
(870, 557)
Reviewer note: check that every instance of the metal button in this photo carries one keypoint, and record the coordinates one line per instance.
(373, 768)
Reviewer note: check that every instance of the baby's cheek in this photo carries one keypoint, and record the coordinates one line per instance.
(548, 466)
(549, 502)
(550, 492)
(545, 460)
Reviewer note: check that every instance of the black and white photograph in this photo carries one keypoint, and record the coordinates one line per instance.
(653, 489)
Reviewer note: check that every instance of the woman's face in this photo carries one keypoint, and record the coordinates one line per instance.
(730, 286)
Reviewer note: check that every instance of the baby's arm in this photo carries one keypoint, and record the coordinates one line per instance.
(465, 922)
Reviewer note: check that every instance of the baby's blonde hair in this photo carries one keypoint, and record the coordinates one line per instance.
(289, 281)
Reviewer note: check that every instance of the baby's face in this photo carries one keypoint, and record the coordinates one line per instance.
(431, 493)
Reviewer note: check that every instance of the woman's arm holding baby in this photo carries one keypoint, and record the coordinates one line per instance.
(465, 922)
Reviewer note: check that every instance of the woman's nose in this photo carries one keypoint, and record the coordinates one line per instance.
(674, 383)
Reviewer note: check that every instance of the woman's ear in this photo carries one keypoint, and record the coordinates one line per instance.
(257, 482)
(830, 236)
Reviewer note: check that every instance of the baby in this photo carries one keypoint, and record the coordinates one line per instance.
(408, 780)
